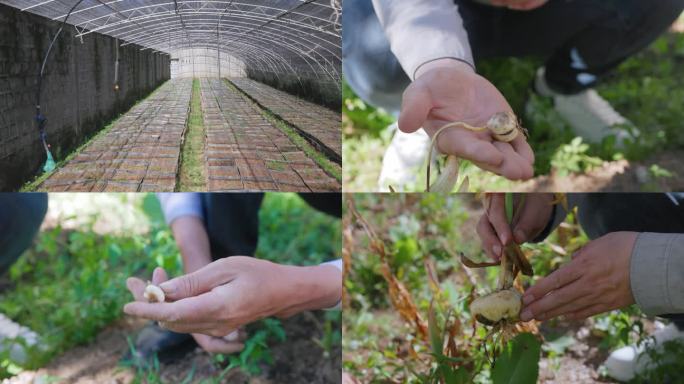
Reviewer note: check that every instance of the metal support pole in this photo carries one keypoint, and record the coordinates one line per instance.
(116, 66)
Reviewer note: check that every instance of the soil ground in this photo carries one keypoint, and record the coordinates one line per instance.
(616, 176)
(297, 360)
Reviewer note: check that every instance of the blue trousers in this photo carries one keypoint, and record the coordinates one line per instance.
(20, 217)
(232, 219)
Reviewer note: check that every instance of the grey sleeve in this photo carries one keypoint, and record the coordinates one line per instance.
(420, 31)
(657, 273)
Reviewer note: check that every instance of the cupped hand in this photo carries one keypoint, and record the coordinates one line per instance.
(230, 343)
(450, 91)
(595, 281)
(231, 292)
(532, 214)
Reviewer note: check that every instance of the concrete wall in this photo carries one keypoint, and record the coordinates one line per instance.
(203, 62)
(78, 96)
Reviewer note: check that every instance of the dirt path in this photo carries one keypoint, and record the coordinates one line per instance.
(298, 360)
(321, 126)
(245, 151)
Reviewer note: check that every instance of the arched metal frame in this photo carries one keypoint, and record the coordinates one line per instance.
(297, 37)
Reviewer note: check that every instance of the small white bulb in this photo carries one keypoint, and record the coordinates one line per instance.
(154, 294)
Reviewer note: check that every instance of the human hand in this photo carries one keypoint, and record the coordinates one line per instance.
(519, 5)
(233, 342)
(529, 219)
(595, 281)
(446, 91)
(231, 292)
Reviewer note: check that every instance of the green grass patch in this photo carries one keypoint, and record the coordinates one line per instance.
(191, 172)
(32, 186)
(328, 166)
(275, 165)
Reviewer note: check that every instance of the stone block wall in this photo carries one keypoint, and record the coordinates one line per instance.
(78, 95)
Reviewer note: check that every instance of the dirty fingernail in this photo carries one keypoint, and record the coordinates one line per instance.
(497, 250)
(526, 315)
(527, 299)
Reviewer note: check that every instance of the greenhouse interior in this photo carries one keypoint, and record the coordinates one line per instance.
(156, 95)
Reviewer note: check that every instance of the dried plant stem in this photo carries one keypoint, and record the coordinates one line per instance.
(399, 296)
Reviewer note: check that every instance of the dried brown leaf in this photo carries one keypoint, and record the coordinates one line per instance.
(401, 299)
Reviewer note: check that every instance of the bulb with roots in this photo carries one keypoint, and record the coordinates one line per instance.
(503, 126)
(501, 309)
(497, 306)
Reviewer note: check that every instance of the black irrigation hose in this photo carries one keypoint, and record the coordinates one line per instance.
(41, 120)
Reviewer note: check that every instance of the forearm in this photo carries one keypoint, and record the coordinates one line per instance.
(193, 242)
(656, 270)
(312, 287)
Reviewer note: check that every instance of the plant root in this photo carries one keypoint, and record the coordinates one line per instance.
(503, 126)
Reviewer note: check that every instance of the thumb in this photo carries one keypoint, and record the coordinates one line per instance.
(415, 106)
(193, 284)
(159, 275)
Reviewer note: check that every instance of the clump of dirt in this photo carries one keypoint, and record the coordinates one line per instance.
(297, 360)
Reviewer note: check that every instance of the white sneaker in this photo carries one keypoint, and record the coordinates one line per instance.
(588, 114)
(625, 363)
(10, 330)
(403, 159)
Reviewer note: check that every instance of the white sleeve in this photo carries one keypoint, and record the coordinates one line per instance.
(337, 264)
(175, 205)
(420, 31)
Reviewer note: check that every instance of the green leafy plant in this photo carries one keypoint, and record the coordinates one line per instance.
(74, 280)
(519, 362)
(256, 351)
(619, 328)
(332, 334)
(574, 158)
(360, 116)
(665, 364)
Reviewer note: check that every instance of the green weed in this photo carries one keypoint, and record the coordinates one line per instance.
(191, 169)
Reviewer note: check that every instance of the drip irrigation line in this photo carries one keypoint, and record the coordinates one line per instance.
(41, 120)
